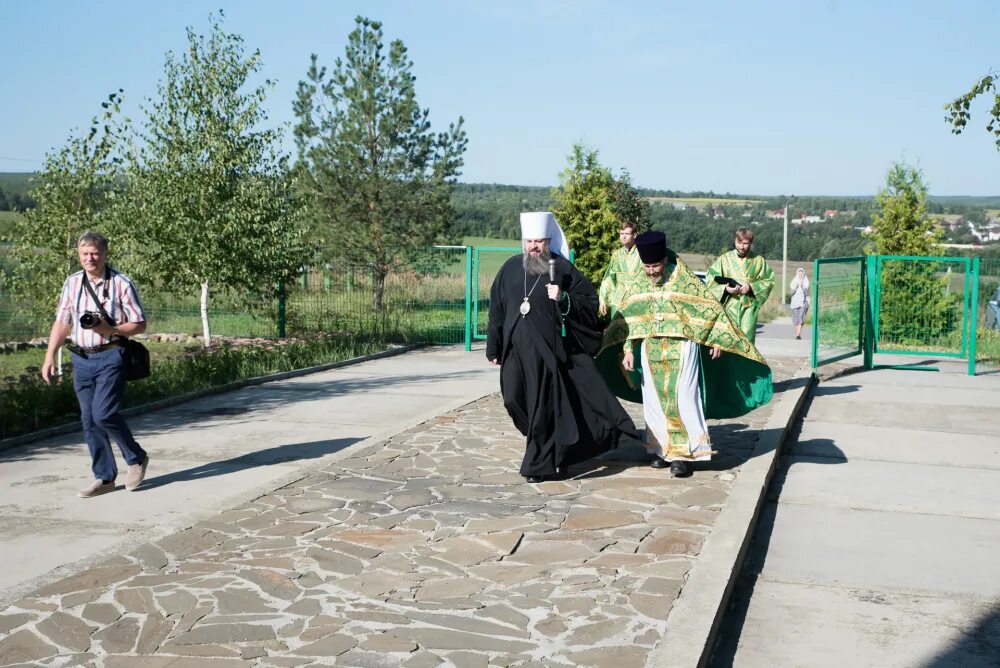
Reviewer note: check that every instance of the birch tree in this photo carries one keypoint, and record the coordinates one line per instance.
(210, 192)
(958, 109)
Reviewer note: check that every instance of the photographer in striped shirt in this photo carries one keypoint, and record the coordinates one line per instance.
(99, 363)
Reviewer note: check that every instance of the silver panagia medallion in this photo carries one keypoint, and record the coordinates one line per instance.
(525, 307)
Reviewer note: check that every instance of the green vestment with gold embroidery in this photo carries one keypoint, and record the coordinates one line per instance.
(682, 308)
(624, 272)
(751, 270)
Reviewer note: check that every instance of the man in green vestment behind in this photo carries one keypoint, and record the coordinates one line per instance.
(666, 326)
(624, 270)
(751, 281)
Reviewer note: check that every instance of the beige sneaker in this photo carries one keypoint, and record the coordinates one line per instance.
(136, 473)
(96, 488)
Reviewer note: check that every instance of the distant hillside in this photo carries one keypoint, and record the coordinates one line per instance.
(967, 201)
(16, 183)
(492, 210)
(14, 191)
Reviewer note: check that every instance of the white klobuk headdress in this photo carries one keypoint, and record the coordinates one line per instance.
(543, 225)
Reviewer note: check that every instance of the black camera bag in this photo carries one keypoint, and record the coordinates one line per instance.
(136, 355)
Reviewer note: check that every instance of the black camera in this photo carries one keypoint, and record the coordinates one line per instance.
(90, 319)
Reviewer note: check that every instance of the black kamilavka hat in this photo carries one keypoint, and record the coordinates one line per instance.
(652, 246)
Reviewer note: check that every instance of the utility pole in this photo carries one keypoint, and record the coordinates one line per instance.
(784, 257)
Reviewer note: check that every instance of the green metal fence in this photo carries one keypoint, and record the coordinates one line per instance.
(15, 325)
(424, 299)
(486, 262)
(838, 291)
(922, 305)
(988, 314)
(902, 305)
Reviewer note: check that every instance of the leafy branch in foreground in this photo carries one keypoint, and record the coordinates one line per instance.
(958, 109)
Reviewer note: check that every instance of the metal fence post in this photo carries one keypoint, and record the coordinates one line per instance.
(468, 298)
(868, 296)
(974, 319)
(281, 309)
(815, 325)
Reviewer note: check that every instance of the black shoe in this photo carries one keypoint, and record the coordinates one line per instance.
(799, 338)
(534, 478)
(680, 469)
(659, 463)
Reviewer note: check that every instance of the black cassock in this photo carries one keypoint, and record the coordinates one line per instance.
(550, 384)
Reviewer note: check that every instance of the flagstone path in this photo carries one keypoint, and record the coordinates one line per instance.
(426, 549)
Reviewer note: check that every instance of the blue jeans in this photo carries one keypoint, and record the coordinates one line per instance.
(99, 382)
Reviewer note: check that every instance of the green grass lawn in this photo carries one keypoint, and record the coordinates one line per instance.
(14, 364)
(7, 218)
(489, 241)
(988, 347)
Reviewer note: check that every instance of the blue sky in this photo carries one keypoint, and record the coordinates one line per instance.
(786, 97)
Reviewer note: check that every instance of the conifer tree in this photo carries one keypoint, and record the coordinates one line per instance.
(591, 205)
(915, 307)
(374, 180)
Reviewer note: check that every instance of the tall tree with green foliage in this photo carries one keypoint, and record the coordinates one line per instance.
(585, 211)
(74, 192)
(916, 307)
(211, 196)
(900, 224)
(629, 206)
(591, 205)
(374, 179)
(958, 109)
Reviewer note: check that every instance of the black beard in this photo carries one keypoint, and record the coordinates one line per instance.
(537, 264)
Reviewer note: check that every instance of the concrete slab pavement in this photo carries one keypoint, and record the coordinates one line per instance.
(879, 545)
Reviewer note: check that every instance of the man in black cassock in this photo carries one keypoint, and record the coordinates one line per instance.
(543, 335)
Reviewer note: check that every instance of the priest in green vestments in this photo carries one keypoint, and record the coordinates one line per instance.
(682, 356)
(624, 271)
(750, 280)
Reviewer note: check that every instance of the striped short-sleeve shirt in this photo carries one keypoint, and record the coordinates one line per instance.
(117, 294)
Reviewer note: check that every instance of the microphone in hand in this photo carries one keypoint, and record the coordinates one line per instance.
(553, 287)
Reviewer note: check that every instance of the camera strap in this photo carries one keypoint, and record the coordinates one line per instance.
(100, 306)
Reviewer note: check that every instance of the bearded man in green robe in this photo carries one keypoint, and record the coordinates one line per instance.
(741, 280)
(682, 356)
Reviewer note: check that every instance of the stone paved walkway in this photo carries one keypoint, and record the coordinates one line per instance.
(426, 549)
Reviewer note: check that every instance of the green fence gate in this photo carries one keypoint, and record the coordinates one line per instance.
(895, 304)
(838, 298)
(484, 263)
